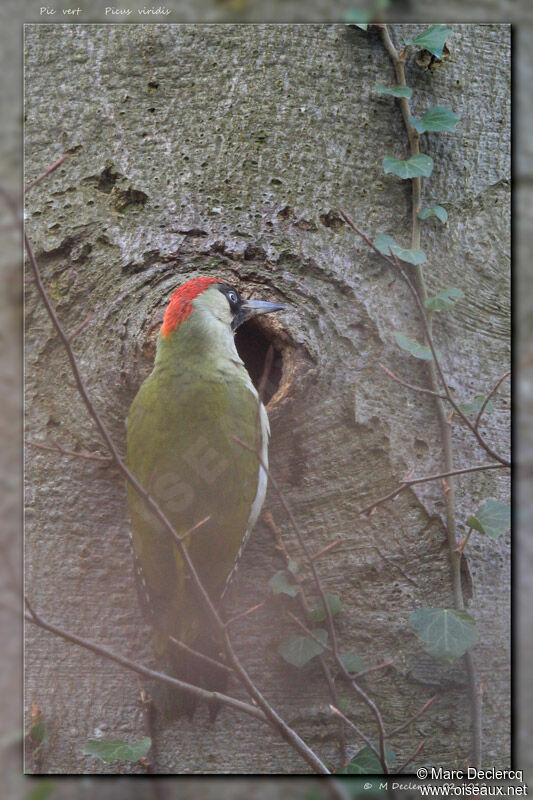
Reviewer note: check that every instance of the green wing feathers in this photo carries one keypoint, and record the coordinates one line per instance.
(180, 447)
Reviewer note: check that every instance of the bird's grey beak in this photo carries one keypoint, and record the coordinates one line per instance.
(261, 306)
(251, 308)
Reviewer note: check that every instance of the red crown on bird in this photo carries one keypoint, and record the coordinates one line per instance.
(180, 303)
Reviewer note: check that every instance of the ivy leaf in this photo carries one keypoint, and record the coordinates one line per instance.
(281, 583)
(293, 566)
(396, 91)
(476, 405)
(444, 300)
(365, 762)
(446, 633)
(414, 256)
(386, 243)
(414, 167)
(492, 518)
(352, 663)
(432, 39)
(113, 749)
(436, 119)
(298, 650)
(421, 351)
(362, 16)
(436, 211)
(319, 614)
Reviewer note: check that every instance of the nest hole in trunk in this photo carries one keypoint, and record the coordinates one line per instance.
(257, 344)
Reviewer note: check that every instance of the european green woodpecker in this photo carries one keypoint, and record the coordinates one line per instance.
(181, 448)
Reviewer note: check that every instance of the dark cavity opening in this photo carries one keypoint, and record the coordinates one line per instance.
(253, 342)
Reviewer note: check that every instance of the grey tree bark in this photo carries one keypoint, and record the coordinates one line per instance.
(228, 150)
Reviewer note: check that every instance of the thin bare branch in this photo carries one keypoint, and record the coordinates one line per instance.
(276, 532)
(410, 385)
(378, 667)
(200, 656)
(488, 398)
(418, 714)
(406, 484)
(81, 326)
(45, 174)
(194, 528)
(105, 652)
(412, 758)
(326, 549)
(326, 646)
(57, 448)
(243, 614)
(363, 236)
(308, 631)
(359, 732)
(462, 544)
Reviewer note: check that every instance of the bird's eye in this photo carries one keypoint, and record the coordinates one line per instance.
(232, 296)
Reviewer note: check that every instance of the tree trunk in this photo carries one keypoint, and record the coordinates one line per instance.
(227, 150)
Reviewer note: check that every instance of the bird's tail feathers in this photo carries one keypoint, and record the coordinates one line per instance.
(193, 669)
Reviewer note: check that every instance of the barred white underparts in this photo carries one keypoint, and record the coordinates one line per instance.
(141, 587)
(261, 488)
